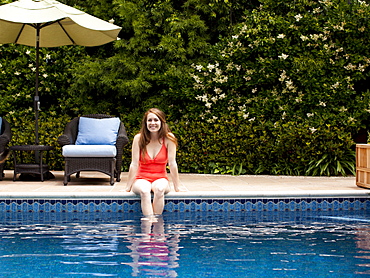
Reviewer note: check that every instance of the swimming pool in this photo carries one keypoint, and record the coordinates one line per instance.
(333, 243)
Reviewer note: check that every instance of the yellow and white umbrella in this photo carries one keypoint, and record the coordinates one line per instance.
(49, 23)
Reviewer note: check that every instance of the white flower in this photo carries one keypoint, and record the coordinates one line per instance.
(45, 75)
(312, 129)
(350, 67)
(217, 90)
(282, 76)
(310, 114)
(17, 73)
(254, 90)
(283, 56)
(196, 78)
(47, 56)
(203, 98)
(298, 17)
(28, 52)
(361, 67)
(210, 67)
(304, 38)
(289, 83)
(208, 105)
(322, 103)
(199, 67)
(235, 37)
(281, 36)
(335, 86)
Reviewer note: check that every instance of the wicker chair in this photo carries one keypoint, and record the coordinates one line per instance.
(108, 165)
(5, 137)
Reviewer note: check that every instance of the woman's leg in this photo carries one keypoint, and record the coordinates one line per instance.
(159, 188)
(143, 188)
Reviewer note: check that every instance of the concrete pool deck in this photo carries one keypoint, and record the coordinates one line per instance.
(96, 185)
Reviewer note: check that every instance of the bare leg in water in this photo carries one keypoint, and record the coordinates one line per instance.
(144, 188)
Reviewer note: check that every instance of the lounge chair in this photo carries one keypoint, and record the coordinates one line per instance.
(93, 143)
(5, 137)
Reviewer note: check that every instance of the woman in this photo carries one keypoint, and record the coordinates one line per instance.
(152, 149)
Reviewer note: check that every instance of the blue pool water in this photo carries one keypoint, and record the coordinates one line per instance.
(186, 244)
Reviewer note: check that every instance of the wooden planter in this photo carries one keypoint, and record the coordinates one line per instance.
(363, 165)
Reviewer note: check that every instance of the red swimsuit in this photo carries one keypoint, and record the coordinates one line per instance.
(153, 169)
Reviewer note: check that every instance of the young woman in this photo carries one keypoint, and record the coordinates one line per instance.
(152, 150)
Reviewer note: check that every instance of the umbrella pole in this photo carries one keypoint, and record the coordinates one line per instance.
(36, 98)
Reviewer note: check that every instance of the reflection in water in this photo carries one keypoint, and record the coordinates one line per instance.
(222, 244)
(363, 245)
(154, 253)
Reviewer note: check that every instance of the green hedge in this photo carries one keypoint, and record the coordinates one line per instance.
(283, 91)
(236, 147)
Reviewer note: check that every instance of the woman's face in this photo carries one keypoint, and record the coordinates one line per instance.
(153, 123)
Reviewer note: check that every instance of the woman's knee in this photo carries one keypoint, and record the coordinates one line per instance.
(142, 188)
(160, 187)
(145, 193)
(159, 191)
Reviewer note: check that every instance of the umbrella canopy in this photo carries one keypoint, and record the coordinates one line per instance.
(59, 25)
(49, 23)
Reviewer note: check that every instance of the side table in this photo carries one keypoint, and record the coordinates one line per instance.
(39, 167)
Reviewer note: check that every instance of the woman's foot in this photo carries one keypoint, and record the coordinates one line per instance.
(151, 218)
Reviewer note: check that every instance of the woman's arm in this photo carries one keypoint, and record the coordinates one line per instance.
(171, 149)
(135, 156)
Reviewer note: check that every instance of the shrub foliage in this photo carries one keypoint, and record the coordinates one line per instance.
(249, 87)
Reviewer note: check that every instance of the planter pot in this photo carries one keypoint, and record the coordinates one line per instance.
(363, 165)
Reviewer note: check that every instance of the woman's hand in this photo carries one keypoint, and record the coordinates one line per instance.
(181, 188)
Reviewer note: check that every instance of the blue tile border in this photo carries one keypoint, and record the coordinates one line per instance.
(186, 205)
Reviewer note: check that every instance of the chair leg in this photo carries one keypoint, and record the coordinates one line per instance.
(118, 176)
(113, 164)
(66, 179)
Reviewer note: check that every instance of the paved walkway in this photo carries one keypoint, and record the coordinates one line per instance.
(96, 185)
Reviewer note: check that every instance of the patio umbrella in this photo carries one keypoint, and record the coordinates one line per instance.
(48, 23)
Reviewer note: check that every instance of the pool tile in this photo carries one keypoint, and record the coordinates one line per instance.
(259, 205)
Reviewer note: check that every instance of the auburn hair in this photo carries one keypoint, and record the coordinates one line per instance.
(164, 131)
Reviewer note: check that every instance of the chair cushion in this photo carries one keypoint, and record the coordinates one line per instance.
(93, 131)
(89, 151)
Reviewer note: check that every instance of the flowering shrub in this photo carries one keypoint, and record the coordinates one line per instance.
(290, 71)
(283, 92)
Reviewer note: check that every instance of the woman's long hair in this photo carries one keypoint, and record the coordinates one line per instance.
(164, 131)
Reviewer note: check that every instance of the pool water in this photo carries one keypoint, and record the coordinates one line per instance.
(189, 244)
